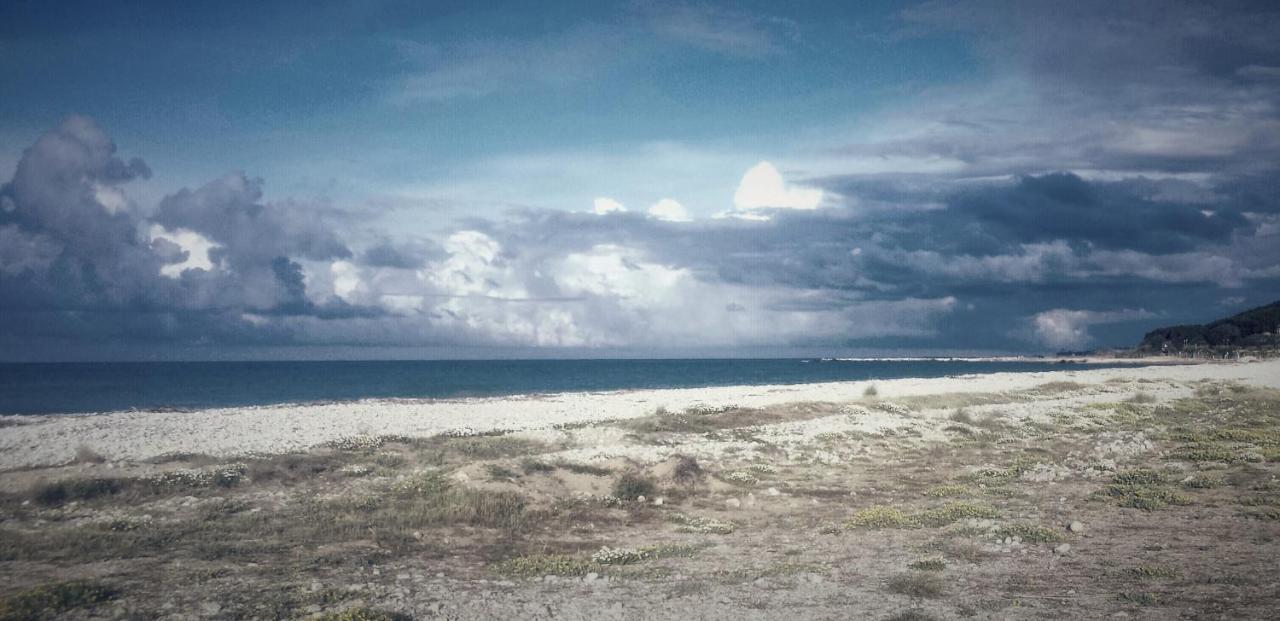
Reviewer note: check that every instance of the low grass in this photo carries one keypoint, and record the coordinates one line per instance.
(364, 614)
(948, 491)
(539, 565)
(1153, 572)
(697, 421)
(632, 486)
(1145, 497)
(391, 521)
(52, 601)
(918, 584)
(881, 517)
(928, 565)
(1030, 533)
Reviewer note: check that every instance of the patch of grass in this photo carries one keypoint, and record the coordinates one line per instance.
(914, 614)
(533, 466)
(739, 477)
(1259, 500)
(674, 550)
(578, 468)
(917, 584)
(1141, 476)
(86, 455)
(1203, 481)
(1268, 514)
(50, 601)
(364, 614)
(1215, 452)
(1030, 533)
(500, 473)
(1140, 598)
(961, 415)
(948, 491)
(706, 420)
(68, 490)
(1002, 476)
(538, 565)
(433, 500)
(1054, 388)
(953, 512)
(1141, 397)
(929, 565)
(702, 525)
(1145, 497)
(631, 486)
(880, 517)
(1153, 572)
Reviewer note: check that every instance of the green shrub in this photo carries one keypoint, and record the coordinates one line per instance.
(67, 490)
(631, 486)
(50, 601)
(880, 517)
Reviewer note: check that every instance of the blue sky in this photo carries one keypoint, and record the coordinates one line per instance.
(383, 177)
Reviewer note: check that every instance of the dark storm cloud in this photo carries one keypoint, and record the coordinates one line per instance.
(230, 212)
(78, 260)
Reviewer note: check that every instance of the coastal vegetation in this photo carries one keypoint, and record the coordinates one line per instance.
(1029, 495)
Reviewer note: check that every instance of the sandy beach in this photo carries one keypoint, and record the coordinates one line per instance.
(138, 436)
(1144, 492)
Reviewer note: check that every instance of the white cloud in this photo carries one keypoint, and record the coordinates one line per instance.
(604, 205)
(1063, 328)
(762, 187)
(670, 210)
(196, 246)
(607, 270)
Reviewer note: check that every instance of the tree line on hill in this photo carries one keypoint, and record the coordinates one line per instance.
(1257, 329)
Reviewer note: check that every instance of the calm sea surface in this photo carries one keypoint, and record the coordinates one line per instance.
(99, 387)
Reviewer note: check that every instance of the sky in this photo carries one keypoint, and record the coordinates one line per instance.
(381, 179)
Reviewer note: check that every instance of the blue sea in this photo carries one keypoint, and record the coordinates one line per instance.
(52, 388)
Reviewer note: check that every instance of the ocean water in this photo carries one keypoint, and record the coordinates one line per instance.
(52, 388)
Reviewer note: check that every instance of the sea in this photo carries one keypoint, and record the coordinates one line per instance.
(59, 388)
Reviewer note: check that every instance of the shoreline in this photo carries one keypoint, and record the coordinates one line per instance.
(49, 440)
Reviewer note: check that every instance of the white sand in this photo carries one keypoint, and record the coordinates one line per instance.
(51, 440)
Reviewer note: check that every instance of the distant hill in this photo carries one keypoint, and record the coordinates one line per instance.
(1256, 327)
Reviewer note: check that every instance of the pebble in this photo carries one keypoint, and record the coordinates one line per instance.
(1062, 548)
(773, 491)
(733, 502)
(1076, 527)
(657, 501)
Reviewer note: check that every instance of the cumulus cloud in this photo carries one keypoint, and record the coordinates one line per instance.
(1065, 328)
(670, 210)
(762, 187)
(605, 205)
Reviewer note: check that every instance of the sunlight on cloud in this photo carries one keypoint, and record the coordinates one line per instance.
(195, 245)
(762, 187)
(605, 205)
(670, 210)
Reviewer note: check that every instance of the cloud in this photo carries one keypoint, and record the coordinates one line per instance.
(1065, 328)
(603, 205)
(762, 187)
(721, 30)
(669, 210)
(475, 68)
(191, 250)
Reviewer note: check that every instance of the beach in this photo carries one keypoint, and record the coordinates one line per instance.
(225, 432)
(1139, 492)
